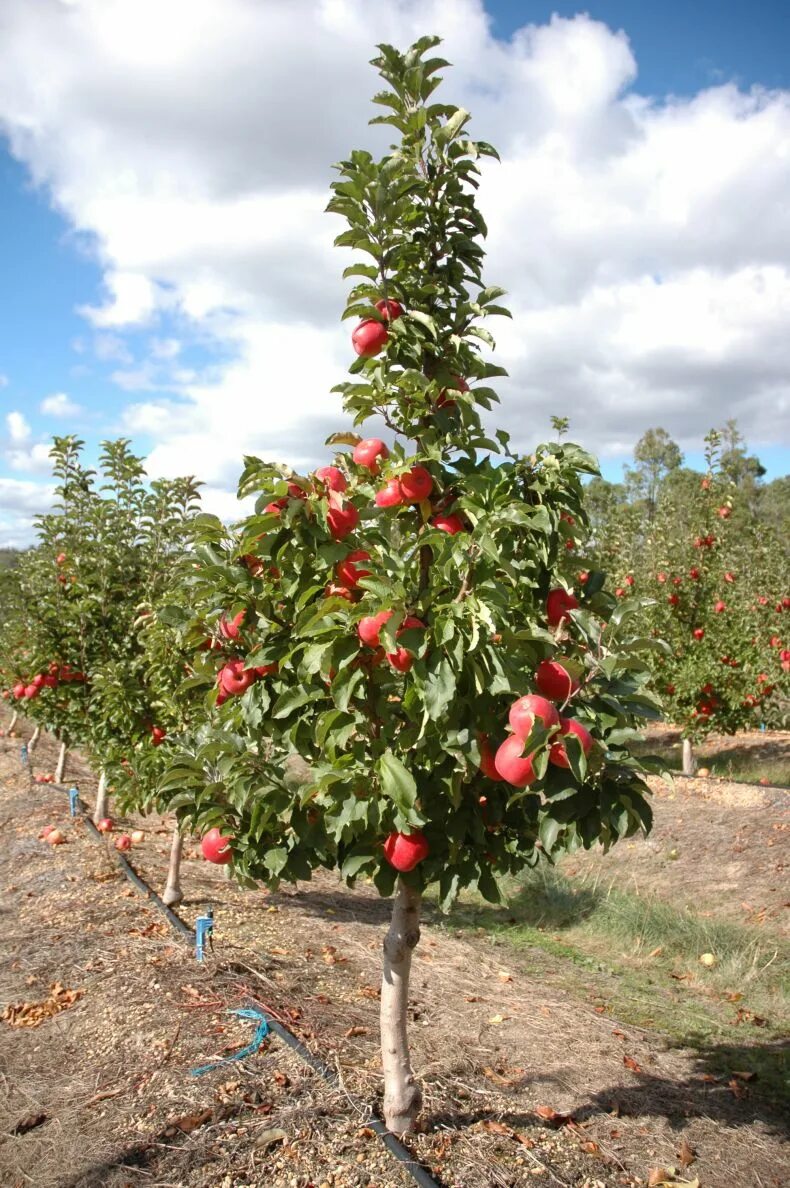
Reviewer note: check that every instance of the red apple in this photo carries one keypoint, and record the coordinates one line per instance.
(459, 385)
(235, 679)
(673, 599)
(558, 605)
(231, 630)
(19, 690)
(390, 495)
(61, 559)
(38, 680)
(416, 484)
(369, 337)
(44, 832)
(55, 837)
(699, 633)
(369, 452)
(31, 691)
(524, 712)
(512, 765)
(105, 825)
(216, 848)
(276, 506)
(348, 573)
(720, 606)
(402, 659)
(123, 842)
(554, 681)
(451, 524)
(342, 521)
(694, 574)
(368, 628)
(158, 736)
(390, 310)
(405, 850)
(557, 753)
(487, 756)
(332, 478)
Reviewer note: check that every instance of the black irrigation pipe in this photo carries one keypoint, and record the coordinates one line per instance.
(393, 1144)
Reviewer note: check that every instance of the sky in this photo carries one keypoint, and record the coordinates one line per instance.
(168, 271)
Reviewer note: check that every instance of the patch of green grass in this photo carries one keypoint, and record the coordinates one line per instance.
(639, 958)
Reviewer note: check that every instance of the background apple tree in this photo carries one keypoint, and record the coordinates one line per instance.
(362, 635)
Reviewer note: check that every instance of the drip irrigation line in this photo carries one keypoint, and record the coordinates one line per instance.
(395, 1147)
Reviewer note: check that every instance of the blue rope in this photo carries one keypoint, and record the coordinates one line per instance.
(261, 1031)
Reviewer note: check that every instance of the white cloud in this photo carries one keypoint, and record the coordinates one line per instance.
(645, 242)
(4, 381)
(18, 428)
(34, 459)
(60, 405)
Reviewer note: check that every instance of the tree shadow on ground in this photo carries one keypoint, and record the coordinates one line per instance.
(724, 1087)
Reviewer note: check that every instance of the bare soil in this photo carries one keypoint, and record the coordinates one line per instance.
(523, 1084)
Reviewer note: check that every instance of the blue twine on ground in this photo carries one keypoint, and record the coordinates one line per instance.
(261, 1031)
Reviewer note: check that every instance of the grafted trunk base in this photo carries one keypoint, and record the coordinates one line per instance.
(61, 764)
(172, 894)
(402, 1094)
(35, 736)
(100, 811)
(689, 761)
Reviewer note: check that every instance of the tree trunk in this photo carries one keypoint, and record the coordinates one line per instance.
(689, 762)
(31, 746)
(100, 811)
(13, 722)
(61, 764)
(402, 1095)
(172, 893)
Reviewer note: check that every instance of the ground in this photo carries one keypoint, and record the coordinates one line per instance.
(556, 1043)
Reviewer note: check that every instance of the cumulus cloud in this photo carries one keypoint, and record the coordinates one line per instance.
(17, 426)
(60, 405)
(645, 241)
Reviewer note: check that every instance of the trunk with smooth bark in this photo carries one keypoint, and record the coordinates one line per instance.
(100, 811)
(402, 1094)
(13, 722)
(31, 746)
(172, 893)
(689, 762)
(61, 764)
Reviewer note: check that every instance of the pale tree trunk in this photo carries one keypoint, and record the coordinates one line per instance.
(402, 1095)
(172, 893)
(13, 722)
(100, 811)
(61, 764)
(31, 746)
(689, 762)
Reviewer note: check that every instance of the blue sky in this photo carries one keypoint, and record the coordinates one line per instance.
(141, 373)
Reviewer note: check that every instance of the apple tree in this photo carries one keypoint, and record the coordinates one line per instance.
(406, 688)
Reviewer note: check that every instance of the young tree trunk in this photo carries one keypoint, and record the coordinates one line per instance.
(689, 762)
(61, 764)
(100, 811)
(402, 1095)
(13, 722)
(172, 893)
(31, 746)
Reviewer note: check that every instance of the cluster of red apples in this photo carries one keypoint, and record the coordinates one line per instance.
(56, 675)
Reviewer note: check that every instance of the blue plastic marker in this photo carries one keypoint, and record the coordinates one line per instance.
(204, 926)
(74, 795)
(23, 756)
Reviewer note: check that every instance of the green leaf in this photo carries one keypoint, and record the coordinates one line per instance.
(396, 782)
(439, 688)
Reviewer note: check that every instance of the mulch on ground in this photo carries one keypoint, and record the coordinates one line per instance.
(522, 1085)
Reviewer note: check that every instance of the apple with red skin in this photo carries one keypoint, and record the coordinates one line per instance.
(19, 690)
(55, 837)
(231, 630)
(124, 842)
(554, 681)
(332, 478)
(234, 679)
(459, 385)
(368, 628)
(559, 604)
(451, 524)
(31, 691)
(38, 680)
(416, 484)
(719, 607)
(512, 765)
(524, 712)
(342, 521)
(673, 599)
(369, 338)
(277, 506)
(45, 831)
(389, 310)
(402, 659)
(390, 495)
(49, 681)
(487, 757)
(216, 847)
(404, 851)
(699, 633)
(348, 572)
(369, 452)
(158, 736)
(61, 559)
(557, 753)
(105, 825)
